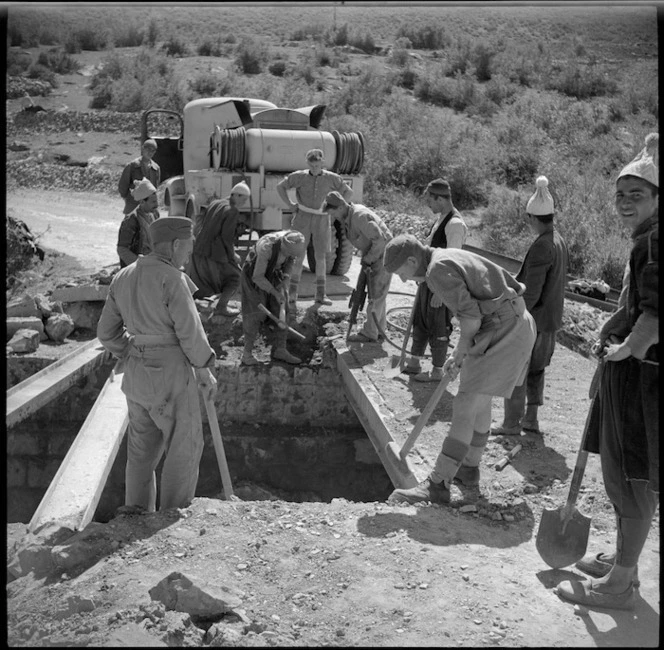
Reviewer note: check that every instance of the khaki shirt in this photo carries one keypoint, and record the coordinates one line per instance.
(152, 297)
(367, 232)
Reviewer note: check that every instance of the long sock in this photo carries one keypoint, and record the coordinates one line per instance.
(449, 460)
(320, 288)
(477, 445)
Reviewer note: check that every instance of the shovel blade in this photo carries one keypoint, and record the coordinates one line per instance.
(557, 548)
(396, 367)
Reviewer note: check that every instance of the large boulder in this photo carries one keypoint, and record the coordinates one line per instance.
(24, 341)
(46, 306)
(59, 327)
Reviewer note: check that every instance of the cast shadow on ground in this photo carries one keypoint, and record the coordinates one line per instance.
(444, 526)
(638, 628)
(550, 464)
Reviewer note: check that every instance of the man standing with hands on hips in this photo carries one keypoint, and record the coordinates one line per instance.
(311, 187)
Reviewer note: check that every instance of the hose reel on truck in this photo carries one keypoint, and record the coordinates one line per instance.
(281, 151)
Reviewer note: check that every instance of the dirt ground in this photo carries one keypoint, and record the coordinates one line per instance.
(339, 573)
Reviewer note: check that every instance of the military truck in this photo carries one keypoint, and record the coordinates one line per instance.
(220, 141)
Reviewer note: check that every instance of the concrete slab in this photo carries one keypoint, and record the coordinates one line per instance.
(74, 492)
(34, 392)
(83, 293)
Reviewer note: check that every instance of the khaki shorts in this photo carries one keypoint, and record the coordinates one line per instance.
(314, 226)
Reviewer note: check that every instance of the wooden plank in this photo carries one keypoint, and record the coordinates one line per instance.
(72, 497)
(365, 400)
(39, 389)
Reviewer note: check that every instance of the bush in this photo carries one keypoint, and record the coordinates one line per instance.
(210, 47)
(278, 68)
(340, 35)
(130, 36)
(136, 82)
(424, 38)
(364, 42)
(175, 47)
(21, 247)
(58, 61)
(92, 39)
(42, 73)
(18, 62)
(581, 83)
(152, 34)
(315, 32)
(251, 55)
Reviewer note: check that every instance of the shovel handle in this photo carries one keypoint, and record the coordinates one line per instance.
(424, 417)
(219, 448)
(281, 324)
(582, 456)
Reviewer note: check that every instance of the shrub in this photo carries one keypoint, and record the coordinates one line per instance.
(136, 82)
(424, 38)
(129, 36)
(315, 32)
(340, 35)
(92, 39)
(277, 68)
(18, 62)
(400, 55)
(205, 84)
(581, 83)
(251, 55)
(41, 72)
(364, 42)
(152, 34)
(210, 47)
(58, 61)
(21, 246)
(175, 47)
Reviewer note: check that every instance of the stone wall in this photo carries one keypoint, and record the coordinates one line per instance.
(286, 427)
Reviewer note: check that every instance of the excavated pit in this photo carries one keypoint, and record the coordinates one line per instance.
(289, 432)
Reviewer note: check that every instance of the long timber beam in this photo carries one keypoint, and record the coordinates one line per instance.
(366, 402)
(30, 395)
(72, 497)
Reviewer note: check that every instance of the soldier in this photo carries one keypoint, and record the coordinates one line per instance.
(368, 233)
(311, 187)
(264, 281)
(134, 234)
(149, 320)
(215, 266)
(138, 169)
(544, 272)
(496, 336)
(432, 322)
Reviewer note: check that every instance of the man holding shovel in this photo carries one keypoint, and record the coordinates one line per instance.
(264, 283)
(150, 321)
(496, 336)
(369, 234)
(432, 322)
(627, 435)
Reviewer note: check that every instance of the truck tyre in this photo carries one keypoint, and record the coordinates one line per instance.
(338, 261)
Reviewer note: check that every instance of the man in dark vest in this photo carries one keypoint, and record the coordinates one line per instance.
(432, 323)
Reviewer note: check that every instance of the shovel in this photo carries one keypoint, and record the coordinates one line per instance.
(397, 362)
(281, 323)
(562, 537)
(219, 448)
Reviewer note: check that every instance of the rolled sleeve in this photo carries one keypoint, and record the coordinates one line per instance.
(451, 287)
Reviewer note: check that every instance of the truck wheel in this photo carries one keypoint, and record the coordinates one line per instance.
(338, 261)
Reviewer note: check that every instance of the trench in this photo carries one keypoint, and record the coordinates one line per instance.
(289, 432)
